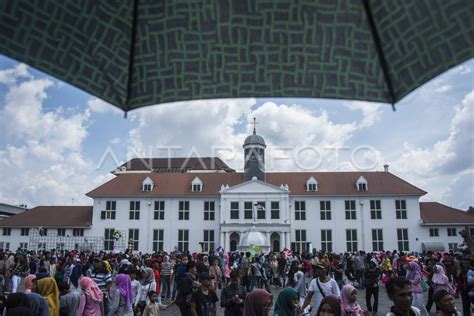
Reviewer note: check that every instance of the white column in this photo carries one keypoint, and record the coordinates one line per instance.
(221, 239)
(226, 244)
(282, 240)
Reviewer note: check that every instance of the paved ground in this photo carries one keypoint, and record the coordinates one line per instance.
(384, 303)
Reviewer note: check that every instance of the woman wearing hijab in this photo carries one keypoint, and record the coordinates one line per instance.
(122, 301)
(330, 306)
(300, 287)
(148, 284)
(91, 301)
(48, 288)
(287, 303)
(415, 277)
(258, 303)
(440, 281)
(29, 283)
(349, 304)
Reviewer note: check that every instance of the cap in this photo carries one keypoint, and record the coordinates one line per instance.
(205, 276)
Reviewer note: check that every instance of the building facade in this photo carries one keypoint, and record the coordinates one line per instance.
(199, 204)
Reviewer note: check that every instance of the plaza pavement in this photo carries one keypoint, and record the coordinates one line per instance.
(384, 303)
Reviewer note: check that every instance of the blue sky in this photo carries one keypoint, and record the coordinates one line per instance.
(57, 142)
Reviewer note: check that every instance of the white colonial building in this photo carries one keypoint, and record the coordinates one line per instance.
(200, 204)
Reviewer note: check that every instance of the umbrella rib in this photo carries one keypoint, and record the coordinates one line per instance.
(380, 54)
(132, 56)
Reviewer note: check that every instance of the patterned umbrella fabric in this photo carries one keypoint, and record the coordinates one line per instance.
(144, 52)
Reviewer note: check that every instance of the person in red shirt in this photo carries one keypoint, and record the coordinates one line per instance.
(156, 272)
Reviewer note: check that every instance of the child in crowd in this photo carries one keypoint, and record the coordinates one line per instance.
(153, 308)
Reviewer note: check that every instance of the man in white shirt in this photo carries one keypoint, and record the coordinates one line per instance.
(321, 286)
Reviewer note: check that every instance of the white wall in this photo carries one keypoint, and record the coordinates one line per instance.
(146, 224)
(363, 223)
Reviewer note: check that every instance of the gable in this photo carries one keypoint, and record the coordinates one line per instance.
(254, 186)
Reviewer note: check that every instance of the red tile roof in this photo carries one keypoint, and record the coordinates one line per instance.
(183, 164)
(329, 183)
(434, 213)
(51, 216)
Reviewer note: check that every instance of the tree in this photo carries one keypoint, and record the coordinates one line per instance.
(468, 238)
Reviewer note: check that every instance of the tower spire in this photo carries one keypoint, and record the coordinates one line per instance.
(255, 126)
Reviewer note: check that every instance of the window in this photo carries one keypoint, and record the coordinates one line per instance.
(402, 238)
(209, 211)
(451, 232)
(361, 184)
(5, 246)
(300, 241)
(208, 243)
(248, 210)
(375, 209)
(7, 231)
(377, 240)
(234, 210)
(109, 213)
(350, 209)
(109, 239)
(311, 185)
(24, 246)
(158, 239)
(43, 232)
(147, 185)
(300, 210)
(196, 185)
(133, 236)
(183, 240)
(183, 214)
(452, 246)
(159, 212)
(434, 232)
(76, 232)
(275, 210)
(25, 232)
(134, 210)
(351, 239)
(260, 206)
(401, 209)
(326, 240)
(325, 207)
(61, 232)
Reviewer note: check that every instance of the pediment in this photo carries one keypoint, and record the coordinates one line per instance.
(254, 186)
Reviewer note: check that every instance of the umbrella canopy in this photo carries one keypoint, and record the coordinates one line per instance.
(143, 52)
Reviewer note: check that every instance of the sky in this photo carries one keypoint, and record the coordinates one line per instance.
(57, 142)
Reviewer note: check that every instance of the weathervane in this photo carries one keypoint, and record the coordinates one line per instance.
(254, 126)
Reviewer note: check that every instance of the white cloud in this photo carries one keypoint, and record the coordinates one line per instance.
(10, 76)
(115, 141)
(443, 88)
(371, 111)
(295, 136)
(440, 165)
(42, 158)
(96, 105)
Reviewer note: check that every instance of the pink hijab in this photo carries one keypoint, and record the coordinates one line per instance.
(29, 282)
(439, 276)
(90, 288)
(347, 306)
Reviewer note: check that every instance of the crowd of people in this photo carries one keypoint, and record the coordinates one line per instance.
(106, 284)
